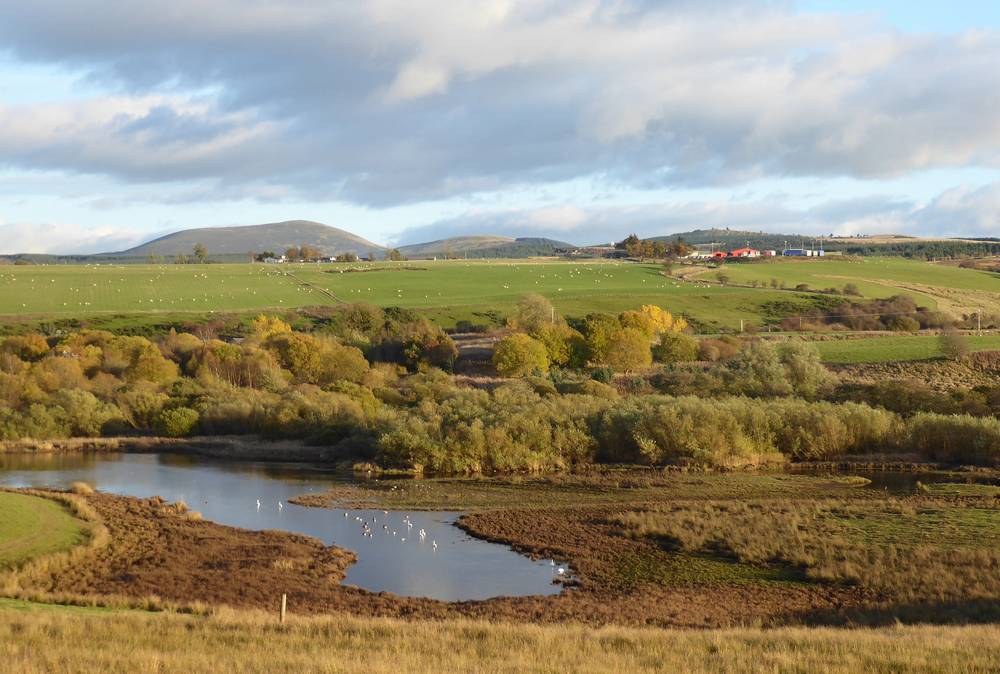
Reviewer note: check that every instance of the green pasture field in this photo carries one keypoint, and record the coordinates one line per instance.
(896, 347)
(482, 292)
(31, 526)
(116, 296)
(875, 277)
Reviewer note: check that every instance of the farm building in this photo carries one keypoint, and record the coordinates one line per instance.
(745, 252)
(803, 252)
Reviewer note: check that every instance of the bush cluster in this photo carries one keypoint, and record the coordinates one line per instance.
(765, 404)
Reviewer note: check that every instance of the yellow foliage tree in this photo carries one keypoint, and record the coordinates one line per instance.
(268, 326)
(662, 320)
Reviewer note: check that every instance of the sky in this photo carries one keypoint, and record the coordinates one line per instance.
(580, 120)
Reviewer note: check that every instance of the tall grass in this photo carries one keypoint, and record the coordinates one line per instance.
(65, 643)
(955, 438)
(812, 536)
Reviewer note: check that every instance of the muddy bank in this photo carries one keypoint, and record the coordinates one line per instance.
(156, 549)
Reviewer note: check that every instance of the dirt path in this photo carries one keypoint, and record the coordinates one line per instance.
(475, 352)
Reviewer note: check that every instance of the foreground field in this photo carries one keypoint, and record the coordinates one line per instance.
(34, 641)
(31, 526)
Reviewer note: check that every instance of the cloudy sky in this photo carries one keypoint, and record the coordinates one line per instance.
(577, 119)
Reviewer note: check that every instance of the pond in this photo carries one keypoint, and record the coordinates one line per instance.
(445, 563)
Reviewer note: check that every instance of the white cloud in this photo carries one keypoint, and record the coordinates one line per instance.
(957, 212)
(391, 101)
(26, 237)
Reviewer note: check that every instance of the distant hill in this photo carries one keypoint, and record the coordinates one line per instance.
(485, 246)
(877, 244)
(734, 238)
(275, 236)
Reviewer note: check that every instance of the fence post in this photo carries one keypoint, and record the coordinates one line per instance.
(284, 606)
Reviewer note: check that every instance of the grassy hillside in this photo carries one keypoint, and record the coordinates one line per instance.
(881, 244)
(484, 247)
(32, 526)
(275, 236)
(35, 640)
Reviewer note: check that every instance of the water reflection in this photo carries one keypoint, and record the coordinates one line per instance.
(444, 564)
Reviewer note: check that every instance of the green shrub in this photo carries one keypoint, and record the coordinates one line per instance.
(603, 375)
(176, 422)
(676, 347)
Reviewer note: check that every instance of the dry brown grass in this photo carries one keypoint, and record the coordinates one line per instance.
(81, 489)
(815, 537)
(159, 558)
(65, 643)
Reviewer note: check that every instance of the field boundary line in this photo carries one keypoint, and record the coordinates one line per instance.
(313, 286)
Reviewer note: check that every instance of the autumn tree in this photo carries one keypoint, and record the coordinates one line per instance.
(599, 330)
(309, 253)
(265, 327)
(518, 355)
(628, 350)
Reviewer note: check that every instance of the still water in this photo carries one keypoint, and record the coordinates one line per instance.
(444, 564)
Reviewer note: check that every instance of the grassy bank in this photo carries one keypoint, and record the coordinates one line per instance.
(607, 487)
(32, 526)
(35, 641)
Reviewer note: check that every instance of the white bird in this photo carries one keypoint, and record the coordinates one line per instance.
(402, 540)
(280, 505)
(345, 513)
(560, 571)
(434, 545)
(258, 504)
